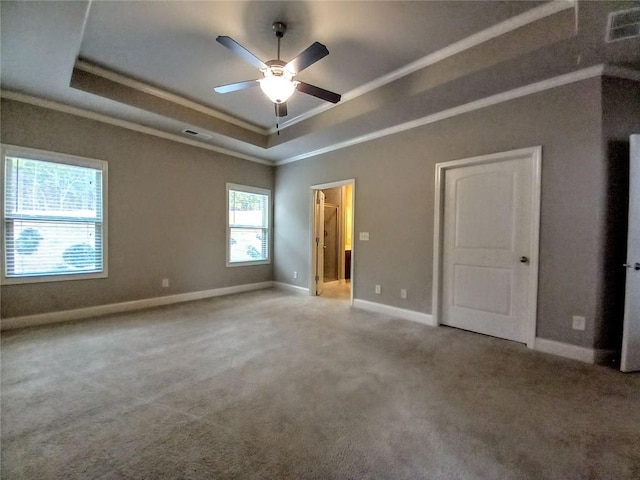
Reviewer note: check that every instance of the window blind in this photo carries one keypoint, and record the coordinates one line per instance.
(248, 239)
(53, 215)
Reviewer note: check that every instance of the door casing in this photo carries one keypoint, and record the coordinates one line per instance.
(317, 256)
(535, 156)
(323, 186)
(630, 355)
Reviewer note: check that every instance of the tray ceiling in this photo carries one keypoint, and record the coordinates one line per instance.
(156, 63)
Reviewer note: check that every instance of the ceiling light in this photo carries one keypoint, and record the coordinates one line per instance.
(278, 83)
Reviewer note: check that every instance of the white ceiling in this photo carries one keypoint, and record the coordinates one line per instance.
(171, 47)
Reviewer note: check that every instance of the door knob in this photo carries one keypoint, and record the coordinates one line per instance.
(635, 266)
(524, 260)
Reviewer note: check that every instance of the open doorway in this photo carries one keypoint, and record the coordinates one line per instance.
(332, 240)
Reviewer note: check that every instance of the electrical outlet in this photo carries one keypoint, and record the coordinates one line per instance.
(165, 283)
(295, 274)
(378, 289)
(364, 236)
(579, 323)
(403, 293)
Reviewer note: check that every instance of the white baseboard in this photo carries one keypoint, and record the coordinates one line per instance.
(582, 354)
(291, 288)
(405, 314)
(98, 310)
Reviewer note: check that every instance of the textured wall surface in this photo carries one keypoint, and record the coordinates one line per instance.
(394, 201)
(620, 119)
(166, 214)
(167, 206)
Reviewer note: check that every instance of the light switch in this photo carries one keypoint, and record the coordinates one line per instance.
(364, 236)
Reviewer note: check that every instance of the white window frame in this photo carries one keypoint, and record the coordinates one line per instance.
(247, 189)
(53, 157)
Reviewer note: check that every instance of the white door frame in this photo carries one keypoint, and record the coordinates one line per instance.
(535, 155)
(312, 240)
(630, 356)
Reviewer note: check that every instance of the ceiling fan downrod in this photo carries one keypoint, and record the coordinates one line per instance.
(279, 29)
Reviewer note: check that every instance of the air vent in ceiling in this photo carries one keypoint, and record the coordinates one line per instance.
(623, 24)
(195, 133)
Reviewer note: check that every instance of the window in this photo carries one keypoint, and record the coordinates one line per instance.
(53, 216)
(248, 227)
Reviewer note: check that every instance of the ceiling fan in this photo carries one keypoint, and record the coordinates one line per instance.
(278, 77)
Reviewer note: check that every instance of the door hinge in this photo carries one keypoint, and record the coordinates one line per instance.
(317, 240)
(318, 201)
(317, 278)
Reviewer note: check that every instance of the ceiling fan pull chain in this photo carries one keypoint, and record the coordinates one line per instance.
(275, 107)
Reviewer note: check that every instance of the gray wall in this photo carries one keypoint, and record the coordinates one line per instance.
(394, 202)
(621, 118)
(167, 201)
(166, 212)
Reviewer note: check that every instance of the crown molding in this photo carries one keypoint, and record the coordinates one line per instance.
(80, 112)
(156, 92)
(526, 18)
(467, 43)
(577, 76)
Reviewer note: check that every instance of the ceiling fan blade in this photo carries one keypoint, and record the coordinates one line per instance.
(242, 52)
(318, 92)
(310, 56)
(281, 109)
(232, 87)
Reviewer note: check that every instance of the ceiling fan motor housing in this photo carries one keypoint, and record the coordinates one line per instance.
(279, 29)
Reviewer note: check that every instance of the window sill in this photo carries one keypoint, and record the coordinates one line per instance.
(248, 264)
(53, 278)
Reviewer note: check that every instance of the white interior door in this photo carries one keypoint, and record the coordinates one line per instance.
(489, 246)
(630, 360)
(331, 242)
(318, 245)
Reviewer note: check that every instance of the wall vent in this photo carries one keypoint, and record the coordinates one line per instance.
(623, 24)
(195, 133)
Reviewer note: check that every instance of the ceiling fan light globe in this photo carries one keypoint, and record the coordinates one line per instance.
(277, 88)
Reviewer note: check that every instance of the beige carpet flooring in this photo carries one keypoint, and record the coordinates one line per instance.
(272, 385)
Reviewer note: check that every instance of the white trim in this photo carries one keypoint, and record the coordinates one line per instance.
(156, 92)
(259, 191)
(80, 112)
(534, 244)
(48, 156)
(85, 21)
(467, 43)
(411, 315)
(291, 288)
(582, 354)
(339, 183)
(98, 310)
(535, 155)
(519, 92)
(550, 83)
(7, 150)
